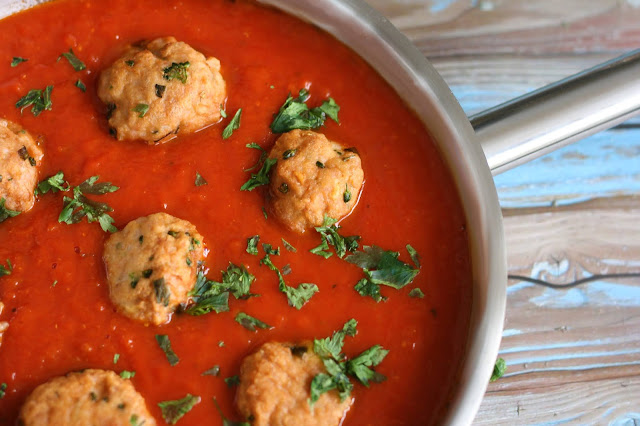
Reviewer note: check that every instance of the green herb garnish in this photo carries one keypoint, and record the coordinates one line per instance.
(297, 297)
(39, 100)
(176, 71)
(74, 209)
(383, 267)
(252, 245)
(260, 178)
(76, 63)
(3, 390)
(295, 114)
(263, 155)
(330, 236)
(165, 345)
(116, 357)
(141, 109)
(80, 85)
(232, 381)
(251, 323)
(163, 295)
(209, 296)
(498, 370)
(364, 287)
(172, 411)
(213, 371)
(346, 196)
(127, 374)
(200, 181)
(234, 124)
(415, 257)
(6, 270)
(416, 293)
(53, 183)
(288, 246)
(17, 61)
(160, 90)
(5, 213)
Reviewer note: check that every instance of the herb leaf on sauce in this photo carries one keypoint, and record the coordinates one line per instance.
(296, 297)
(364, 287)
(200, 181)
(251, 323)
(5, 213)
(383, 267)
(76, 208)
(211, 296)
(252, 245)
(232, 381)
(125, 374)
(6, 270)
(359, 366)
(263, 155)
(39, 100)
(53, 183)
(76, 63)
(234, 124)
(330, 236)
(416, 293)
(295, 114)
(226, 421)
(177, 71)
(331, 347)
(80, 85)
(498, 369)
(17, 61)
(213, 371)
(260, 178)
(288, 246)
(415, 257)
(172, 411)
(165, 345)
(3, 390)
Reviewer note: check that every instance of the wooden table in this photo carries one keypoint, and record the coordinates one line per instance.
(572, 330)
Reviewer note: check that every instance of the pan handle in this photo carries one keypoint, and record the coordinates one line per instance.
(546, 119)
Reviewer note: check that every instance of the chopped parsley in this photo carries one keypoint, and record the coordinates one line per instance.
(211, 296)
(232, 381)
(74, 209)
(234, 124)
(364, 287)
(320, 164)
(339, 367)
(288, 246)
(252, 245)
(127, 374)
(80, 85)
(260, 178)
(163, 295)
(165, 345)
(53, 183)
(17, 61)
(295, 114)
(383, 267)
(160, 90)
(116, 357)
(223, 113)
(3, 390)
(226, 421)
(130, 62)
(5, 213)
(416, 293)
(213, 371)
(172, 411)
(6, 270)
(288, 154)
(498, 370)
(264, 213)
(297, 297)
(263, 155)
(346, 196)
(415, 257)
(330, 236)
(200, 181)
(76, 63)
(133, 420)
(39, 100)
(177, 71)
(251, 323)
(141, 109)
(24, 155)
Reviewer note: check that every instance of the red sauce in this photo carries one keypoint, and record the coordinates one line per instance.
(409, 197)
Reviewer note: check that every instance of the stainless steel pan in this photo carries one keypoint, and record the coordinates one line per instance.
(504, 137)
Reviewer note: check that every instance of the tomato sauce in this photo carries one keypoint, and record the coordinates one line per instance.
(56, 300)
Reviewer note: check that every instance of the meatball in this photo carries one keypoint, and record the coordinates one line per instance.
(313, 177)
(152, 265)
(19, 160)
(275, 385)
(90, 397)
(157, 89)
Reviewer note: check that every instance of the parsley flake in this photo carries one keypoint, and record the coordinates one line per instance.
(213, 371)
(200, 181)
(127, 374)
(232, 381)
(80, 85)
(416, 293)
(141, 109)
(223, 113)
(177, 71)
(296, 297)
(116, 357)
(165, 345)
(498, 370)
(76, 63)
(53, 183)
(130, 62)
(364, 287)
(415, 257)
(383, 267)
(346, 196)
(3, 390)
(252, 245)
(234, 124)
(172, 411)
(263, 155)
(5, 213)
(288, 246)
(6, 270)
(295, 114)
(160, 90)
(330, 236)
(76, 208)
(39, 100)
(251, 323)
(209, 296)
(17, 61)
(260, 178)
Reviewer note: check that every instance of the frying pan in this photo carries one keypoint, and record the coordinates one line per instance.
(474, 149)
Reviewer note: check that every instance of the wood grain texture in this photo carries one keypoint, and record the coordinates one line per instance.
(573, 353)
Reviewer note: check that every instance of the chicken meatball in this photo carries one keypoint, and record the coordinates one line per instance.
(88, 398)
(152, 265)
(275, 385)
(313, 177)
(160, 88)
(19, 160)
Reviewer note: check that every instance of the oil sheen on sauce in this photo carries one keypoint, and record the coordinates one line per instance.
(409, 198)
